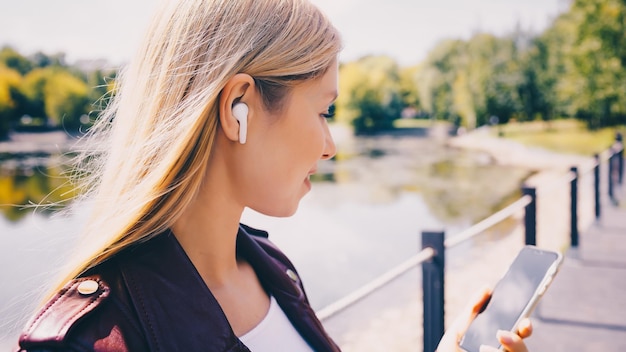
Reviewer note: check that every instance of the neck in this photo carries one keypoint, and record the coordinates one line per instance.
(207, 231)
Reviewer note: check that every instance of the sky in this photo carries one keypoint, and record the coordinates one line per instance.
(403, 29)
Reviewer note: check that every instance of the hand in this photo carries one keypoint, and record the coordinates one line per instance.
(510, 341)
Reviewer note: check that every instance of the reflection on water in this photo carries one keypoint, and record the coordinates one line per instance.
(457, 185)
(29, 180)
(35, 180)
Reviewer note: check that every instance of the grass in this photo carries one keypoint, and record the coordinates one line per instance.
(565, 136)
(417, 123)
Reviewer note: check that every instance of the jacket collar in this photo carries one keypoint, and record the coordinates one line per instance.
(172, 300)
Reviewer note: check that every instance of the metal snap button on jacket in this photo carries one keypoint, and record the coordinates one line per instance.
(292, 275)
(87, 287)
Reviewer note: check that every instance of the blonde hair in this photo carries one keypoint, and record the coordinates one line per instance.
(153, 141)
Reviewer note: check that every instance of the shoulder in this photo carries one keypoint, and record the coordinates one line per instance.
(85, 315)
(49, 327)
(261, 237)
(277, 257)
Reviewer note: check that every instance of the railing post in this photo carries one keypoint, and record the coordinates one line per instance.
(530, 216)
(433, 287)
(596, 185)
(620, 158)
(611, 172)
(574, 207)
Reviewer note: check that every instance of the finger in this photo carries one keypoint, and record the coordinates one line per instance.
(525, 328)
(457, 329)
(511, 342)
(480, 300)
(471, 310)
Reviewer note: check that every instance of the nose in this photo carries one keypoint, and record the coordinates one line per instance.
(329, 144)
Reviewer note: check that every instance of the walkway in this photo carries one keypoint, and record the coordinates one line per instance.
(585, 309)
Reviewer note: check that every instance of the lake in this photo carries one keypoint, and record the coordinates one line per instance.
(363, 216)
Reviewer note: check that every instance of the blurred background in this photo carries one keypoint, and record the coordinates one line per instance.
(414, 76)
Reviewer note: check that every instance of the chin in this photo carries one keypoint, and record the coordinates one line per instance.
(278, 212)
(285, 213)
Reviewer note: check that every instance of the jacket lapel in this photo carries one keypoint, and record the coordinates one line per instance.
(279, 277)
(173, 301)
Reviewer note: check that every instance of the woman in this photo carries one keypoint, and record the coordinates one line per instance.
(223, 108)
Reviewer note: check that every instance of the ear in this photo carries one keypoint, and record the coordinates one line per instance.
(240, 88)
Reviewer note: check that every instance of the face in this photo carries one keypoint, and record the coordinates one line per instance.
(284, 148)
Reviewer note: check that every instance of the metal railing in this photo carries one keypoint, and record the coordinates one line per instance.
(434, 244)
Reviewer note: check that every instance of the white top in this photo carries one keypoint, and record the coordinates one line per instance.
(275, 333)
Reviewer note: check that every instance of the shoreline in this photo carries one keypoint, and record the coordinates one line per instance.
(50, 142)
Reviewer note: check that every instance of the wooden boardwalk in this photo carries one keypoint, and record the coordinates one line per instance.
(585, 308)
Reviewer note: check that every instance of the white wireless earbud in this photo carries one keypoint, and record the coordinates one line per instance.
(240, 111)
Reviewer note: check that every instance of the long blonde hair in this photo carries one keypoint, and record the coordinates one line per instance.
(149, 150)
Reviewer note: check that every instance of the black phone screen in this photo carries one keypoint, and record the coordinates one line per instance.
(510, 297)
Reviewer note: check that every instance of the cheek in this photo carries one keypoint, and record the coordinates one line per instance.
(277, 170)
(310, 141)
(274, 190)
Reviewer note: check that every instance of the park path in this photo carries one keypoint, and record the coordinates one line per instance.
(585, 309)
(391, 318)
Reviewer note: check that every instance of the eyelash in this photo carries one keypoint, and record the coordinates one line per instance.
(331, 112)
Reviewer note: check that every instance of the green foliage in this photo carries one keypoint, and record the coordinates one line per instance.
(49, 91)
(563, 136)
(408, 83)
(9, 83)
(66, 100)
(12, 59)
(370, 97)
(32, 91)
(575, 68)
(599, 57)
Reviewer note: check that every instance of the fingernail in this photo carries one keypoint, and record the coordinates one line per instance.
(504, 337)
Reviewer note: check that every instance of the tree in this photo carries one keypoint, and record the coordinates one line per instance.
(56, 96)
(370, 97)
(408, 87)
(12, 59)
(66, 100)
(32, 91)
(41, 60)
(443, 64)
(9, 83)
(600, 58)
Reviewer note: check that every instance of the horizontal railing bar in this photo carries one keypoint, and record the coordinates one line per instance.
(488, 222)
(602, 157)
(586, 170)
(343, 303)
(564, 179)
(569, 176)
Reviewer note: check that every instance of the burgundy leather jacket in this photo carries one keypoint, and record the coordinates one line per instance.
(151, 298)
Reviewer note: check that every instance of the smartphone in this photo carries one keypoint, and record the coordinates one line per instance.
(514, 297)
